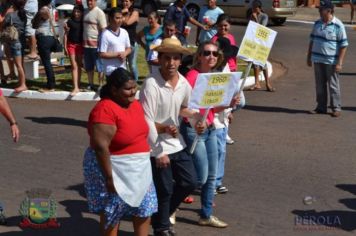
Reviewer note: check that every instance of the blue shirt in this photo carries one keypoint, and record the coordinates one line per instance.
(327, 40)
(180, 17)
(212, 15)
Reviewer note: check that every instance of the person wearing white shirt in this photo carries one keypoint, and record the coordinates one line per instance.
(164, 96)
(114, 44)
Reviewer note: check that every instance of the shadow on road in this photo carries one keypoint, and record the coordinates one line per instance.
(349, 108)
(58, 120)
(275, 109)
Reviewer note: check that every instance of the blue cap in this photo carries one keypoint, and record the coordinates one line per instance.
(326, 4)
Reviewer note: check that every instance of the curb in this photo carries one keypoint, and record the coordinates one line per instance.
(92, 96)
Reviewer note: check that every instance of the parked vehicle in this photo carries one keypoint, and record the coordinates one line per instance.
(277, 10)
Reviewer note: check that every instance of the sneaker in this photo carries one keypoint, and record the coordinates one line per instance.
(91, 88)
(229, 140)
(213, 222)
(215, 192)
(222, 189)
(168, 232)
(172, 218)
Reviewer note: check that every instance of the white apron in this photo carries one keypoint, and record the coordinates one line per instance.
(132, 176)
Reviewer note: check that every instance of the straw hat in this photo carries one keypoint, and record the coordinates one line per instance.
(171, 45)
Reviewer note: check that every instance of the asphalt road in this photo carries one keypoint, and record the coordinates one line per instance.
(282, 155)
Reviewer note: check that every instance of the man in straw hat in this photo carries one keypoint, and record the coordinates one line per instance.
(164, 96)
(327, 49)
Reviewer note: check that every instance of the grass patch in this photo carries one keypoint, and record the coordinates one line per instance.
(64, 77)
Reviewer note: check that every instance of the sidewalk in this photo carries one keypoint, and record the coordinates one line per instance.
(312, 14)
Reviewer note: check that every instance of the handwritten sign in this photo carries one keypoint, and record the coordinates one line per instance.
(214, 89)
(257, 43)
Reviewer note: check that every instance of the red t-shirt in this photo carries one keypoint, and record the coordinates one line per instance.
(0, 92)
(232, 60)
(132, 129)
(192, 76)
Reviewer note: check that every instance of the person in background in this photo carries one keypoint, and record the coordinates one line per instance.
(169, 31)
(260, 17)
(117, 169)
(205, 156)
(131, 17)
(224, 25)
(73, 39)
(5, 7)
(46, 41)
(94, 21)
(164, 95)
(31, 8)
(5, 110)
(208, 15)
(114, 44)
(150, 32)
(17, 18)
(178, 13)
(326, 52)
(352, 7)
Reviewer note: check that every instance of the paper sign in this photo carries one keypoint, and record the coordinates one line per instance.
(214, 89)
(257, 43)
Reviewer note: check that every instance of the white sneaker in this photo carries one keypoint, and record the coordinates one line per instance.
(172, 218)
(229, 140)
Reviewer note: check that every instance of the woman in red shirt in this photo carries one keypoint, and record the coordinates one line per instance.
(117, 169)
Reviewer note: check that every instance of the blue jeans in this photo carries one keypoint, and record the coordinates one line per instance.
(221, 141)
(205, 158)
(132, 61)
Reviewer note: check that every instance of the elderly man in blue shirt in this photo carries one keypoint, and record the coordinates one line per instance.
(327, 49)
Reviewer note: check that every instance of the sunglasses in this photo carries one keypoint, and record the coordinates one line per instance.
(208, 53)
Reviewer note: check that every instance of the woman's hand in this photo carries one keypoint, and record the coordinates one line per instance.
(235, 101)
(200, 127)
(110, 185)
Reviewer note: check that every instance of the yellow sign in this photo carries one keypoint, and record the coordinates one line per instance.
(262, 33)
(219, 79)
(212, 97)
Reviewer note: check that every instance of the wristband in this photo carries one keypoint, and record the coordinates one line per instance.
(13, 123)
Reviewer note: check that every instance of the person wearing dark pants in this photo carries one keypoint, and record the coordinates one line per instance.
(164, 96)
(327, 49)
(45, 45)
(171, 194)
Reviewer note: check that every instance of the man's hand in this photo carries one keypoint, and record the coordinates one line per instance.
(309, 62)
(15, 132)
(121, 55)
(172, 130)
(338, 67)
(163, 162)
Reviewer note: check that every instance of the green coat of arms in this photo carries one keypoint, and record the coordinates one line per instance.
(38, 210)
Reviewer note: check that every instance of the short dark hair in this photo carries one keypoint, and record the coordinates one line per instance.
(113, 11)
(257, 4)
(169, 23)
(223, 17)
(116, 79)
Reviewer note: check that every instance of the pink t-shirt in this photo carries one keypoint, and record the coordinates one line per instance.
(192, 76)
(232, 60)
(0, 92)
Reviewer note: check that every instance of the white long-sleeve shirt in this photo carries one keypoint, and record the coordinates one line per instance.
(162, 104)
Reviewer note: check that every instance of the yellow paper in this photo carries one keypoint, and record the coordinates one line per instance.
(248, 48)
(212, 97)
(262, 33)
(219, 79)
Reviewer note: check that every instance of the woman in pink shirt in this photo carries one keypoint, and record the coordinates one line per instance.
(205, 155)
